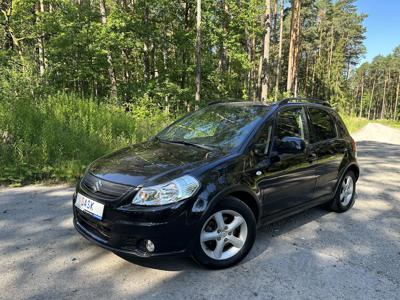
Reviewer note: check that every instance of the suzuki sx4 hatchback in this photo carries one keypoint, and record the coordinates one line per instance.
(203, 185)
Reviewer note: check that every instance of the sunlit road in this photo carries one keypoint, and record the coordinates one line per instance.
(316, 254)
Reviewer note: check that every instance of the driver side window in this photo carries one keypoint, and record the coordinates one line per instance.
(264, 140)
(290, 123)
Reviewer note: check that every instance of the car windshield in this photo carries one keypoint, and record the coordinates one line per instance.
(223, 126)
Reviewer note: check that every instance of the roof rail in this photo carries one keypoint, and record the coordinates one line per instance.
(303, 99)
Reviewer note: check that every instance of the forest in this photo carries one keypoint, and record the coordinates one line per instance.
(80, 78)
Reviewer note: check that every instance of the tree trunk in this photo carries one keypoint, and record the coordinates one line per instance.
(266, 48)
(146, 47)
(198, 54)
(40, 40)
(361, 97)
(184, 55)
(305, 81)
(278, 65)
(274, 21)
(153, 66)
(397, 99)
(317, 61)
(223, 60)
(255, 84)
(371, 99)
(384, 96)
(111, 71)
(293, 45)
(249, 57)
(296, 56)
(330, 55)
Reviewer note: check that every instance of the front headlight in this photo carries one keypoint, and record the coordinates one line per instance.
(170, 192)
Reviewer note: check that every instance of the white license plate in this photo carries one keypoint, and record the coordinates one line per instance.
(89, 206)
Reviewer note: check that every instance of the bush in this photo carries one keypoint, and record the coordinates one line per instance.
(57, 137)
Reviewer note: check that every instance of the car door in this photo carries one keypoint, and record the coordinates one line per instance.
(288, 179)
(329, 150)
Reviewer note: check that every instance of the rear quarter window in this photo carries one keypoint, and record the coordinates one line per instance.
(322, 125)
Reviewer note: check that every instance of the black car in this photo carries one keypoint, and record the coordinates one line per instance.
(203, 185)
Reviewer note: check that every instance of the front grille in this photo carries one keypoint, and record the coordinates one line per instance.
(102, 189)
(97, 229)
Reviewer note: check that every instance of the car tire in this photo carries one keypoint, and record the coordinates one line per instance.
(345, 195)
(226, 234)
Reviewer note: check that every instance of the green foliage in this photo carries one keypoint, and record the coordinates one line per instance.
(353, 123)
(376, 87)
(149, 47)
(55, 138)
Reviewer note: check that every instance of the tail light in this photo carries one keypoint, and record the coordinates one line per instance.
(353, 145)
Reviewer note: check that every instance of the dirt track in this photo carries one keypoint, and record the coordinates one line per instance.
(316, 254)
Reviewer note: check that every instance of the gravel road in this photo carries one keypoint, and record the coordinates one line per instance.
(315, 254)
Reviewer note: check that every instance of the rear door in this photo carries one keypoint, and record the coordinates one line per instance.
(328, 149)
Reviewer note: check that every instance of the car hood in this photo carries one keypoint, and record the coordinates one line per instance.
(152, 162)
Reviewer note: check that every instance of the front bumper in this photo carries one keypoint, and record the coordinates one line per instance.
(172, 229)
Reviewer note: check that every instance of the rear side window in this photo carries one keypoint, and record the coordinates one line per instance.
(323, 126)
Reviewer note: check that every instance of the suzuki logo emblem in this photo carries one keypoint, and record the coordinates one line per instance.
(97, 186)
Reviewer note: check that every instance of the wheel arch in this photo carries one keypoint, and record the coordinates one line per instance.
(242, 193)
(351, 167)
(354, 168)
(249, 200)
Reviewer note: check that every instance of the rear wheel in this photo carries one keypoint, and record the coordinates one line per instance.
(345, 195)
(227, 235)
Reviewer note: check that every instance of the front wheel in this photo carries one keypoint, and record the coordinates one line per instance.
(345, 195)
(227, 235)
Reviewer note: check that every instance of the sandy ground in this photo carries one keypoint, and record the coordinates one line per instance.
(316, 254)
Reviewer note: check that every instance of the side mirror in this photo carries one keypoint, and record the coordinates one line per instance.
(290, 145)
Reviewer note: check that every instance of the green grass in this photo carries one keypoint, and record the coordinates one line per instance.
(391, 123)
(354, 123)
(57, 137)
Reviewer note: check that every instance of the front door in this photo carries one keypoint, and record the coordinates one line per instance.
(289, 178)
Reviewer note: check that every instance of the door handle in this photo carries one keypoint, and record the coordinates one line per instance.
(312, 157)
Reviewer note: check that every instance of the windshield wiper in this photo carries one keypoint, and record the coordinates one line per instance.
(210, 148)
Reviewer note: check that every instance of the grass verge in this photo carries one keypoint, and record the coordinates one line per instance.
(391, 123)
(354, 123)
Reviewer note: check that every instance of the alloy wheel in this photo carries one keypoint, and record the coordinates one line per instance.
(223, 234)
(347, 189)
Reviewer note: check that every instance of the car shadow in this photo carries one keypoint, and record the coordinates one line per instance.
(161, 263)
